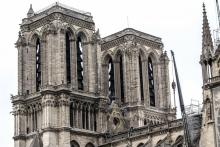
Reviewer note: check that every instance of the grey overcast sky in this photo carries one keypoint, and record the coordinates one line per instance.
(177, 22)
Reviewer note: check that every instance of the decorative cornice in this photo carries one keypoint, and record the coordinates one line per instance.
(30, 25)
(131, 35)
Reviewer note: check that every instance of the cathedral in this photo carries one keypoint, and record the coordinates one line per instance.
(77, 89)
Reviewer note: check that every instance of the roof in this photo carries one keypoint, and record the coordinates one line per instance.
(117, 38)
(59, 8)
(131, 31)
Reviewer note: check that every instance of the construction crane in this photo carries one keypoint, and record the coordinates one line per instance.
(188, 142)
(218, 13)
(216, 32)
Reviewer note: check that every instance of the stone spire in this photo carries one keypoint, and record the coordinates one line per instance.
(207, 45)
(30, 11)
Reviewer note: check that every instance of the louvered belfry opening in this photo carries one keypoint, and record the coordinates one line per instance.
(111, 78)
(68, 62)
(151, 82)
(38, 65)
(141, 79)
(79, 63)
(121, 78)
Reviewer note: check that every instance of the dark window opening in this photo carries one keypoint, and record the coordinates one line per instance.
(71, 115)
(68, 64)
(79, 63)
(33, 124)
(83, 117)
(121, 79)
(87, 119)
(35, 120)
(95, 123)
(27, 130)
(89, 145)
(145, 122)
(111, 78)
(141, 79)
(38, 65)
(140, 145)
(151, 82)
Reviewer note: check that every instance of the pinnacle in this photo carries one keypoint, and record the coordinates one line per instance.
(30, 11)
(207, 45)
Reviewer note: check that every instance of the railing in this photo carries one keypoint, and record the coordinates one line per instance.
(214, 79)
(142, 131)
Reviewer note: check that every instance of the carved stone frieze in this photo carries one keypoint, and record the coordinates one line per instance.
(32, 25)
(131, 37)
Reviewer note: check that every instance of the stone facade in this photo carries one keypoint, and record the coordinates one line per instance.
(78, 89)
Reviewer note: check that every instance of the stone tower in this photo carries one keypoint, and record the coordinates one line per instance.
(210, 62)
(74, 86)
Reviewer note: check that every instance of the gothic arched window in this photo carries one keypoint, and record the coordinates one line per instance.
(68, 63)
(121, 78)
(79, 63)
(111, 83)
(141, 79)
(151, 82)
(38, 65)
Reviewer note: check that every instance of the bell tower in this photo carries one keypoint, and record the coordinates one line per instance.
(57, 76)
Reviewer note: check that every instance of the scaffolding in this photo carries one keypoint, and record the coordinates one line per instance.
(194, 108)
(216, 35)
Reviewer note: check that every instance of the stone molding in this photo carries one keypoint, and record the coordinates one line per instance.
(31, 25)
(133, 36)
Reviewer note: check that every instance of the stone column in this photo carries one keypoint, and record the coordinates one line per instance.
(44, 64)
(117, 79)
(49, 135)
(73, 60)
(20, 69)
(80, 116)
(77, 116)
(92, 119)
(100, 116)
(136, 77)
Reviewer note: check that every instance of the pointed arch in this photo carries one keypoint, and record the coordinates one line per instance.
(69, 37)
(80, 68)
(140, 145)
(33, 37)
(83, 34)
(108, 63)
(35, 48)
(89, 145)
(179, 141)
(74, 143)
(151, 68)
